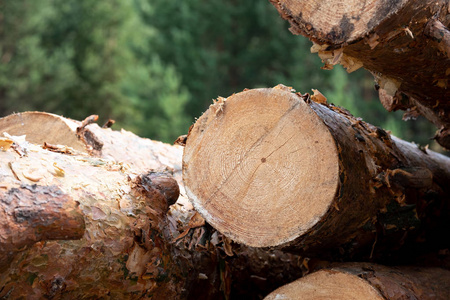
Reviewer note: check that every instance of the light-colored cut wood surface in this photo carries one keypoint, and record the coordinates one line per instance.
(368, 281)
(40, 127)
(338, 20)
(326, 285)
(261, 167)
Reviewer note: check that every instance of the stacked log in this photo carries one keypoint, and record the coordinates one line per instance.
(368, 281)
(405, 44)
(275, 169)
(272, 168)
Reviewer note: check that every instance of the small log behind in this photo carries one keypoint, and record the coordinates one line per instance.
(368, 281)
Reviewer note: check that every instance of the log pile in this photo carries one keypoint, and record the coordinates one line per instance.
(89, 212)
(281, 185)
(103, 216)
(276, 169)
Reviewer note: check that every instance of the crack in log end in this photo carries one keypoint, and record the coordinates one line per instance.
(340, 34)
(233, 185)
(255, 145)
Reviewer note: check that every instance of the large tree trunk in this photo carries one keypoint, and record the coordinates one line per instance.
(368, 281)
(78, 225)
(268, 169)
(404, 43)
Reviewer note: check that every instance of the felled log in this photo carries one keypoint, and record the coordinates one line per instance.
(368, 281)
(405, 44)
(66, 135)
(271, 168)
(90, 213)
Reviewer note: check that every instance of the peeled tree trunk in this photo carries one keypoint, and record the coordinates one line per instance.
(88, 212)
(368, 281)
(271, 168)
(404, 43)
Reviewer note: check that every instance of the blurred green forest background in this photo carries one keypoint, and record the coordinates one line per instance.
(155, 65)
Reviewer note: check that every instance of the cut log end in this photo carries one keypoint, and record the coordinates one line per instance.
(336, 21)
(262, 174)
(40, 127)
(327, 284)
(368, 281)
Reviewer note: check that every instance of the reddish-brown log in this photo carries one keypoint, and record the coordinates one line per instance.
(135, 244)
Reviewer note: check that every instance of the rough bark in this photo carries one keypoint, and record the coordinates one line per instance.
(404, 43)
(83, 226)
(31, 213)
(269, 169)
(369, 281)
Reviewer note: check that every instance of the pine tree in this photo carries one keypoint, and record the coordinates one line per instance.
(78, 58)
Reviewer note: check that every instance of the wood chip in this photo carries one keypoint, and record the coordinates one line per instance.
(5, 143)
(318, 97)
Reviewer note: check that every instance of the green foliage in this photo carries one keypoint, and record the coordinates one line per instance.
(222, 47)
(341, 93)
(80, 57)
(154, 65)
(155, 91)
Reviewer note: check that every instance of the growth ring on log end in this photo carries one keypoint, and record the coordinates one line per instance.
(261, 167)
(327, 284)
(336, 21)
